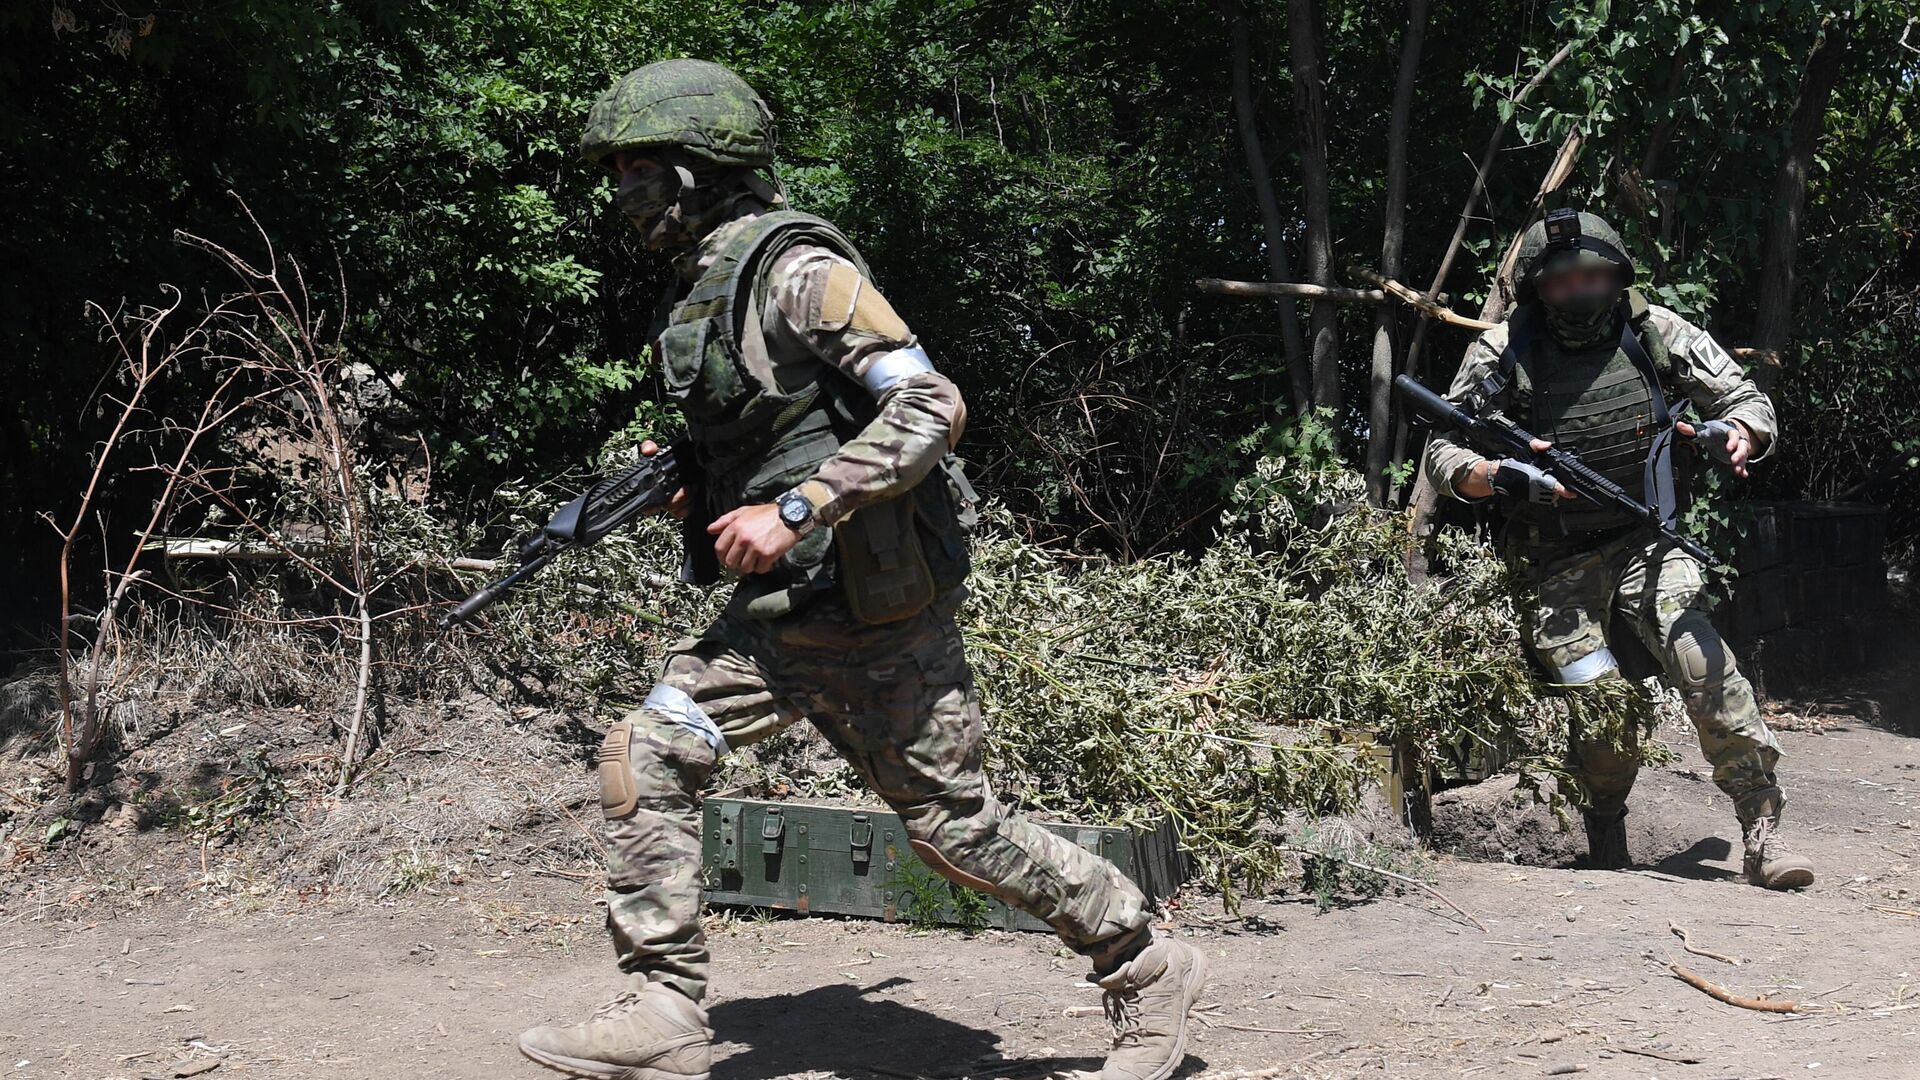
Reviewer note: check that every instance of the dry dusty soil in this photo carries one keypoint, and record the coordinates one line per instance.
(1569, 975)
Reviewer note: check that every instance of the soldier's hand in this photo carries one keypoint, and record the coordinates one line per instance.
(1541, 446)
(1728, 441)
(752, 538)
(678, 506)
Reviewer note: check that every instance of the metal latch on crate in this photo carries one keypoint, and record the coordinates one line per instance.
(860, 839)
(773, 826)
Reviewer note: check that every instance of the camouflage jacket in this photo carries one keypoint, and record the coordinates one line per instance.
(823, 311)
(1702, 371)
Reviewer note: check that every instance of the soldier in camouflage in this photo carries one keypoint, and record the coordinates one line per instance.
(823, 435)
(1587, 363)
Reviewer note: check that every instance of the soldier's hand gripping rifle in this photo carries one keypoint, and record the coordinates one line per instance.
(1498, 439)
(607, 505)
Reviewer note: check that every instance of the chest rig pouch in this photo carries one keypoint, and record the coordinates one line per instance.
(1605, 404)
(755, 440)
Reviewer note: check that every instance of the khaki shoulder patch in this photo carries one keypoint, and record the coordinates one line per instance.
(850, 302)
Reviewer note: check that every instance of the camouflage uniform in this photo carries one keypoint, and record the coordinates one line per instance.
(804, 391)
(1636, 584)
(897, 700)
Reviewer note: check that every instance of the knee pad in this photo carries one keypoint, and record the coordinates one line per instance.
(1701, 660)
(619, 795)
(939, 836)
(646, 758)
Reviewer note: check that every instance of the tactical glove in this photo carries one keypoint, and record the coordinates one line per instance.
(1713, 436)
(1521, 482)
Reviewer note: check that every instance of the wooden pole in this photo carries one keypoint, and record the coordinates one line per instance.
(1494, 308)
(1291, 290)
(1298, 373)
(1392, 249)
(1310, 138)
(1425, 496)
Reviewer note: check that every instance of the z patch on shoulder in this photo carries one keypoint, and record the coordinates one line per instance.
(850, 302)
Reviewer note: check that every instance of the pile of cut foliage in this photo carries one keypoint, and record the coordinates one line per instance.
(1229, 690)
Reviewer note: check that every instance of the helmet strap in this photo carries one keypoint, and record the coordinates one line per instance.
(762, 190)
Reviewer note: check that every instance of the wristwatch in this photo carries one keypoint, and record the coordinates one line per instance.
(796, 513)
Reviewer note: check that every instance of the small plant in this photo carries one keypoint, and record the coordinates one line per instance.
(928, 901)
(1340, 866)
(255, 793)
(411, 873)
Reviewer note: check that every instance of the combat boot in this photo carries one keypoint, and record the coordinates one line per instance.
(1606, 839)
(1147, 1001)
(1768, 863)
(652, 1034)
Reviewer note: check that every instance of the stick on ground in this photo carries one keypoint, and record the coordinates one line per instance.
(1686, 942)
(1678, 1059)
(1721, 993)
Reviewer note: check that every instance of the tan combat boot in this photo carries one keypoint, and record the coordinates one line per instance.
(652, 1034)
(1147, 1001)
(1768, 863)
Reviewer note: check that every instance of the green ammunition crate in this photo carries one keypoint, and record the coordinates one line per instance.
(854, 860)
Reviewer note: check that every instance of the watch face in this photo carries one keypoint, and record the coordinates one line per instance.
(794, 510)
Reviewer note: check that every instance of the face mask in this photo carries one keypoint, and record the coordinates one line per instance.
(1582, 321)
(646, 196)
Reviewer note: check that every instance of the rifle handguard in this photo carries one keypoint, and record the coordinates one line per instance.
(608, 504)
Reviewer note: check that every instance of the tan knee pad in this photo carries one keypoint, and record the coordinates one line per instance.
(933, 832)
(945, 868)
(1701, 660)
(619, 795)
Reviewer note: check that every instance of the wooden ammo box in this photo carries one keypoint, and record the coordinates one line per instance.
(854, 860)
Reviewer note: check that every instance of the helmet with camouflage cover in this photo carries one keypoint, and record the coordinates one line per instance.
(1567, 238)
(694, 106)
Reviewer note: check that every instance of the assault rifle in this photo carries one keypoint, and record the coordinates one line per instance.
(1498, 439)
(604, 507)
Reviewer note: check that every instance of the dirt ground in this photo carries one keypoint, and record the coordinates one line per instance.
(1569, 976)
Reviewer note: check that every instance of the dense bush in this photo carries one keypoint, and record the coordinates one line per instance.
(1037, 186)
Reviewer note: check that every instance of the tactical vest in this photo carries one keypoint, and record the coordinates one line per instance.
(754, 441)
(1606, 405)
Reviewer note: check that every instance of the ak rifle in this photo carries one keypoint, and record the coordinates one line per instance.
(1498, 439)
(604, 507)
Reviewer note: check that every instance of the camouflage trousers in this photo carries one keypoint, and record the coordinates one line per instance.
(1640, 592)
(898, 702)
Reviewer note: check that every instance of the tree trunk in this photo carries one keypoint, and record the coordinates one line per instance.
(1423, 522)
(1392, 252)
(1774, 306)
(1310, 132)
(1290, 341)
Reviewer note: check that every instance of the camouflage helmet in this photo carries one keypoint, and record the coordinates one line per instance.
(692, 105)
(1569, 238)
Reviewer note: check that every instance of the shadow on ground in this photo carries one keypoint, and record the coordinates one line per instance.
(847, 1029)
